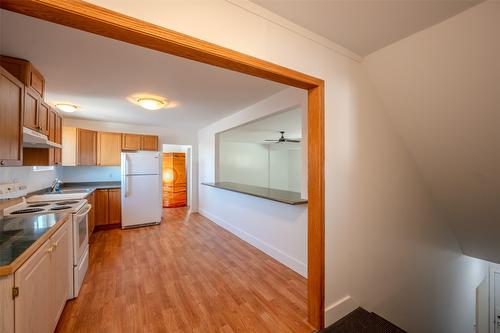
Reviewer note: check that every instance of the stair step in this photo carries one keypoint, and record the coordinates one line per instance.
(362, 321)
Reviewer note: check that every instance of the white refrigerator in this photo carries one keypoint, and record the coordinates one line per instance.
(141, 188)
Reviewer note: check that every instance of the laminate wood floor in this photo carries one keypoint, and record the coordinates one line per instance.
(185, 275)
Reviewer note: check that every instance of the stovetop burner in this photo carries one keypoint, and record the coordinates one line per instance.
(65, 203)
(41, 204)
(60, 207)
(28, 210)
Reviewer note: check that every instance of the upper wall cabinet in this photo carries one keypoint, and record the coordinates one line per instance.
(86, 147)
(31, 107)
(149, 142)
(11, 115)
(109, 147)
(43, 118)
(131, 141)
(25, 72)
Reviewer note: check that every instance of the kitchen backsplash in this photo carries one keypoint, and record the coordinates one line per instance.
(90, 173)
(34, 180)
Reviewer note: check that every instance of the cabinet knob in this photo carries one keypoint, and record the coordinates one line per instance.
(2, 162)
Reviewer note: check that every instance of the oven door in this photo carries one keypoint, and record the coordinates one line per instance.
(80, 233)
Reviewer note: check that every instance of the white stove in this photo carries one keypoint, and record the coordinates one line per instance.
(28, 208)
(79, 209)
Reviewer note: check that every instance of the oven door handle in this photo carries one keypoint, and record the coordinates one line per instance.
(86, 211)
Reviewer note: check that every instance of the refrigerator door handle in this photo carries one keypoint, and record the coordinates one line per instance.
(126, 176)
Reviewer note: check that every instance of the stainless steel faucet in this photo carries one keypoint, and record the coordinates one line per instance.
(56, 185)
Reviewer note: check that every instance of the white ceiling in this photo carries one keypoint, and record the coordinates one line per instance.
(99, 73)
(366, 26)
(267, 128)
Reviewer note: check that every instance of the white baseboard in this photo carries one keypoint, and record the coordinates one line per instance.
(270, 250)
(339, 309)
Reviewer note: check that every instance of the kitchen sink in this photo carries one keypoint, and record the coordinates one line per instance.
(74, 190)
(61, 195)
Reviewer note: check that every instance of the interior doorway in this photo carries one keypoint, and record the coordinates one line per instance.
(177, 176)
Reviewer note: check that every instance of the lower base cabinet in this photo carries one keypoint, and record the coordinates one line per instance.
(107, 207)
(43, 283)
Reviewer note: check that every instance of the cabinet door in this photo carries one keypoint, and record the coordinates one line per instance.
(101, 207)
(43, 118)
(37, 81)
(11, 113)
(131, 141)
(149, 142)
(57, 156)
(86, 148)
(61, 269)
(109, 148)
(115, 206)
(31, 105)
(33, 305)
(58, 131)
(91, 215)
(52, 125)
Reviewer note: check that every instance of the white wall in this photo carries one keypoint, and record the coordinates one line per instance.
(278, 229)
(90, 173)
(172, 136)
(385, 244)
(244, 163)
(35, 180)
(441, 87)
(284, 167)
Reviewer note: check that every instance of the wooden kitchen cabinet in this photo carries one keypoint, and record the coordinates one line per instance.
(131, 141)
(86, 147)
(101, 207)
(31, 106)
(149, 142)
(114, 206)
(109, 148)
(25, 72)
(52, 125)
(61, 267)
(46, 156)
(43, 118)
(11, 113)
(91, 216)
(43, 284)
(108, 207)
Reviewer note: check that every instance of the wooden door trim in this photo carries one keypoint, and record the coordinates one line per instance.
(91, 18)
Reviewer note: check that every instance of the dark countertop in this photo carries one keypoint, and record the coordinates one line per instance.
(18, 234)
(287, 197)
(91, 185)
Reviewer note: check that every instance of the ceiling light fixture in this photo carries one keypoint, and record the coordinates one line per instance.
(66, 107)
(152, 103)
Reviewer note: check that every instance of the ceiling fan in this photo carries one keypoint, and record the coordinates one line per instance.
(282, 139)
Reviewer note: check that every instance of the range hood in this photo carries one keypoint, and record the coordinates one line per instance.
(33, 139)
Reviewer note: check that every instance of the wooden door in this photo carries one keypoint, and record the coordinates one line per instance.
(43, 118)
(101, 207)
(115, 206)
(109, 148)
(174, 180)
(61, 270)
(11, 113)
(86, 148)
(91, 215)
(31, 105)
(149, 142)
(33, 305)
(131, 141)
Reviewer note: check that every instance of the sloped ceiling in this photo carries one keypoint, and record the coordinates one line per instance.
(442, 89)
(366, 26)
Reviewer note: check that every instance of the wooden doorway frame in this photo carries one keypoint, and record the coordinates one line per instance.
(91, 18)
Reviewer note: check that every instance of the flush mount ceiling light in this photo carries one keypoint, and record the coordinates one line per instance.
(149, 102)
(67, 107)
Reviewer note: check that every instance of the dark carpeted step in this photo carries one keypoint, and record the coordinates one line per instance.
(362, 321)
